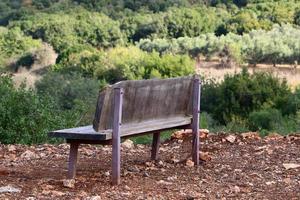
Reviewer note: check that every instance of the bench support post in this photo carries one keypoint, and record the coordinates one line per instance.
(72, 160)
(196, 118)
(155, 146)
(116, 138)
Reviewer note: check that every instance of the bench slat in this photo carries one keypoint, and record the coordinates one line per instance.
(88, 133)
(145, 100)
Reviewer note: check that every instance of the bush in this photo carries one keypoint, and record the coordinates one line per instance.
(67, 90)
(14, 44)
(83, 59)
(241, 94)
(64, 30)
(26, 117)
(264, 119)
(131, 63)
(279, 45)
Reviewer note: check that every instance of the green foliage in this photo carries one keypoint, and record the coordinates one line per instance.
(244, 22)
(68, 89)
(14, 44)
(147, 139)
(94, 39)
(190, 22)
(26, 117)
(65, 30)
(140, 26)
(270, 120)
(131, 63)
(279, 45)
(240, 94)
(83, 59)
(264, 119)
(297, 17)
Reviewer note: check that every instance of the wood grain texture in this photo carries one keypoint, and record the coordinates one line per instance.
(146, 100)
(88, 133)
(196, 119)
(72, 160)
(116, 136)
(155, 146)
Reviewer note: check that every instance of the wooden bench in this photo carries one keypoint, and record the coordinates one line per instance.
(130, 108)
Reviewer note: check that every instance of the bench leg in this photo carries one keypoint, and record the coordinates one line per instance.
(196, 118)
(116, 137)
(116, 157)
(155, 146)
(72, 160)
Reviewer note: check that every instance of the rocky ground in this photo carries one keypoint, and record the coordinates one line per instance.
(232, 167)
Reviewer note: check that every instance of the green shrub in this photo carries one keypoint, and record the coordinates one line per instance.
(14, 44)
(264, 119)
(83, 59)
(131, 63)
(279, 45)
(240, 94)
(26, 117)
(63, 30)
(68, 89)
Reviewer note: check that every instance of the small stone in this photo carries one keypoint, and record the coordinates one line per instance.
(230, 138)
(9, 189)
(287, 180)
(128, 144)
(273, 136)
(288, 166)
(204, 156)
(146, 174)
(250, 135)
(29, 155)
(236, 189)
(175, 160)
(11, 148)
(203, 133)
(93, 198)
(190, 163)
(30, 198)
(160, 163)
(180, 141)
(238, 170)
(172, 178)
(126, 187)
(162, 182)
(47, 187)
(69, 183)
(87, 152)
(133, 169)
(107, 173)
(57, 193)
(181, 134)
(140, 146)
(149, 164)
(42, 155)
(270, 182)
(82, 194)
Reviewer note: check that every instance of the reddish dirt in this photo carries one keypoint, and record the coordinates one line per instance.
(246, 168)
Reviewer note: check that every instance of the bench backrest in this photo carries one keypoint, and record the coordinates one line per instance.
(145, 100)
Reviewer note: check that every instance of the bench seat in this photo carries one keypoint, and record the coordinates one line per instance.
(88, 133)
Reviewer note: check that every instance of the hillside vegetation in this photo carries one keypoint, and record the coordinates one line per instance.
(102, 42)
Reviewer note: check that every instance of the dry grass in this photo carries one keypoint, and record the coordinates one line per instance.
(291, 74)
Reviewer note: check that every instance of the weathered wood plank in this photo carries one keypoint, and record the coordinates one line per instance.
(155, 146)
(196, 118)
(146, 100)
(88, 133)
(72, 160)
(116, 136)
